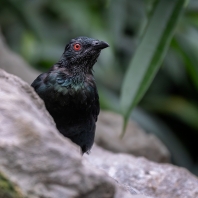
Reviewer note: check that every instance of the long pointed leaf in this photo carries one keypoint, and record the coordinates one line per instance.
(150, 53)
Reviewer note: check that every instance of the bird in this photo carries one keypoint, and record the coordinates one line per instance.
(69, 91)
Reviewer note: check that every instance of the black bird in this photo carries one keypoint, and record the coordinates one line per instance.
(69, 91)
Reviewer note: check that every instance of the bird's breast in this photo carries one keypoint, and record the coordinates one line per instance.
(74, 95)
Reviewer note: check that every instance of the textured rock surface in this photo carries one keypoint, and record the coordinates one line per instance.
(39, 161)
(135, 140)
(158, 180)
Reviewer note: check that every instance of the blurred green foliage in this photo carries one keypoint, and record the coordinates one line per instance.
(39, 30)
(149, 53)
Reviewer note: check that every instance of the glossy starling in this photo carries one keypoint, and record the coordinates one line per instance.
(69, 91)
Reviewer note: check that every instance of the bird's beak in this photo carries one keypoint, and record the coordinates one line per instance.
(100, 45)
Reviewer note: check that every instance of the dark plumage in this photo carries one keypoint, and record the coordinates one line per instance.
(69, 91)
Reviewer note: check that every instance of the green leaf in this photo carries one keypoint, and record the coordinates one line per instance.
(150, 53)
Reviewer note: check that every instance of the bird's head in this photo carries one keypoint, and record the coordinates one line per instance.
(82, 53)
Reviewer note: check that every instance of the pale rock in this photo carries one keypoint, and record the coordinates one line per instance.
(149, 178)
(36, 158)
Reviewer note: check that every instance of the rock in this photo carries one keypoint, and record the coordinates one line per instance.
(156, 180)
(135, 140)
(36, 161)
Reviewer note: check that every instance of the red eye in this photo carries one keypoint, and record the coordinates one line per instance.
(77, 47)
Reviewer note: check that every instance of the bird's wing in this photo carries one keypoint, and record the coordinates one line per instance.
(39, 83)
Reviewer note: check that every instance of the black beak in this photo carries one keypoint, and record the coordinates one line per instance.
(100, 44)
